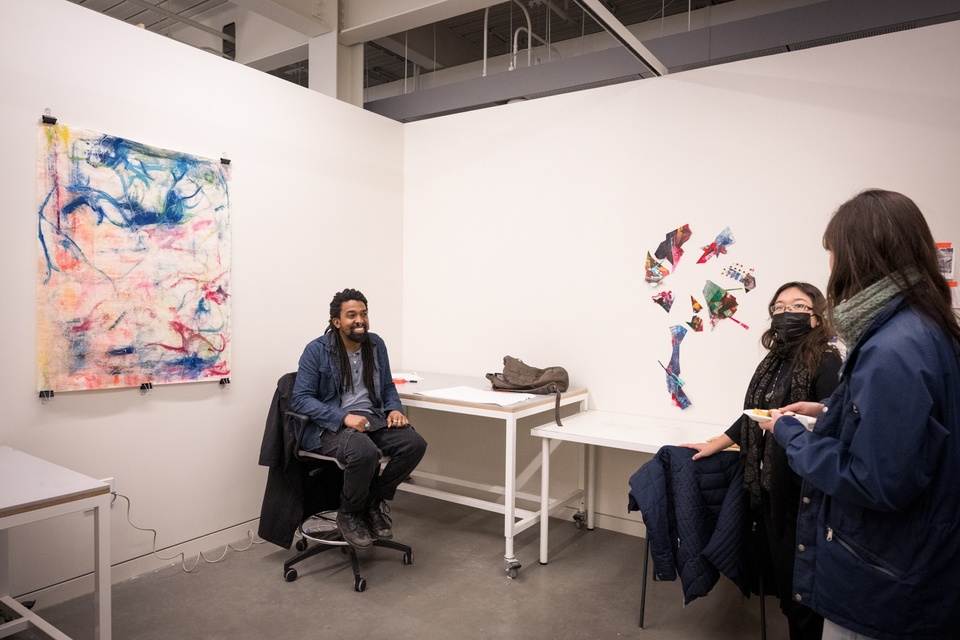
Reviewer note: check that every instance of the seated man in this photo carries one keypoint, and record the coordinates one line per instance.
(344, 385)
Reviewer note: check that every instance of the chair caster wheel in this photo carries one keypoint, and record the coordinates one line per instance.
(360, 584)
(408, 558)
(301, 544)
(290, 574)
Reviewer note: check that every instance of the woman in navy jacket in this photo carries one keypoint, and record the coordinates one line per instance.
(878, 534)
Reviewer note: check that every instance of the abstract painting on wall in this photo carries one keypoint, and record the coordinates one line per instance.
(133, 270)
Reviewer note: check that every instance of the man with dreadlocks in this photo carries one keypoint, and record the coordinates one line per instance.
(344, 386)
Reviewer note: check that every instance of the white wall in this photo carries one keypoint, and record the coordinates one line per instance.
(526, 226)
(316, 206)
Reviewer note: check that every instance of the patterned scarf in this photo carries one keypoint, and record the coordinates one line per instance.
(852, 317)
(777, 382)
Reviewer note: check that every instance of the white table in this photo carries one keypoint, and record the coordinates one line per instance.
(515, 519)
(32, 489)
(603, 429)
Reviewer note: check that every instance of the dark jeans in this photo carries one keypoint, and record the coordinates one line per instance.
(360, 452)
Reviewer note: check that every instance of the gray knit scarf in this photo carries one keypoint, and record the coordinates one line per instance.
(853, 316)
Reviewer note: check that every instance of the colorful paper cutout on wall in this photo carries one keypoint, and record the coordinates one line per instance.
(670, 249)
(720, 303)
(664, 299)
(738, 272)
(133, 271)
(718, 246)
(672, 370)
(696, 323)
(697, 307)
(655, 271)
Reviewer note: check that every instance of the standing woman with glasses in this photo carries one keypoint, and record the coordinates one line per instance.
(800, 366)
(879, 527)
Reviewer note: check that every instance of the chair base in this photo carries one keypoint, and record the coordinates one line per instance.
(323, 531)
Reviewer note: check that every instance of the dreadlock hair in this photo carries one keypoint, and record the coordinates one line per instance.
(340, 351)
(878, 234)
(810, 351)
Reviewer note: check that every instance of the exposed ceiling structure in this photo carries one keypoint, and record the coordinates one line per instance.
(413, 49)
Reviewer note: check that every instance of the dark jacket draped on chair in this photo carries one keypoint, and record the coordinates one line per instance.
(694, 511)
(295, 488)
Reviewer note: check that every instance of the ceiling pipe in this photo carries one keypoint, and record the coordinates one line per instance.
(486, 37)
(621, 34)
(513, 65)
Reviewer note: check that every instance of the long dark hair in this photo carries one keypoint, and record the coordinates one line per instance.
(366, 349)
(878, 234)
(810, 351)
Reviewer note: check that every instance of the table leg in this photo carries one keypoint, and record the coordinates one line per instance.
(544, 499)
(591, 484)
(102, 582)
(510, 496)
(4, 563)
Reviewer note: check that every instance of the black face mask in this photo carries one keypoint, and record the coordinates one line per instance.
(791, 327)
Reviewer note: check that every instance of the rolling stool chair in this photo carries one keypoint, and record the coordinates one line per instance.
(321, 528)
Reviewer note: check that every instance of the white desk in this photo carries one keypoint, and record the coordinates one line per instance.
(32, 489)
(615, 430)
(515, 519)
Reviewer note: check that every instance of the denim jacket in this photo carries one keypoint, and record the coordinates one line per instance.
(878, 535)
(317, 390)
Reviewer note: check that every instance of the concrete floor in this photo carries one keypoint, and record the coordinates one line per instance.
(455, 588)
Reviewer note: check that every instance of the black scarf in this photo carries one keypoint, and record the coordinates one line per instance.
(777, 382)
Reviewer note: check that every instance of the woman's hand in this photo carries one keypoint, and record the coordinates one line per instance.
(710, 447)
(809, 409)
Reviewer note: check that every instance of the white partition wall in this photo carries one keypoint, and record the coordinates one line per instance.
(526, 226)
(516, 230)
(316, 206)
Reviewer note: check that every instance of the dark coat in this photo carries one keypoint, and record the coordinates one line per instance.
(295, 489)
(879, 528)
(694, 511)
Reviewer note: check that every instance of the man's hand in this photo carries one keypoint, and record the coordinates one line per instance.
(360, 423)
(396, 420)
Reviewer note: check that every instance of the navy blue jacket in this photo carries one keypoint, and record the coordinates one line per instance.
(317, 390)
(878, 536)
(694, 511)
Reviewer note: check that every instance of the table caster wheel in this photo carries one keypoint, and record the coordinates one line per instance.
(580, 519)
(290, 574)
(512, 569)
(360, 584)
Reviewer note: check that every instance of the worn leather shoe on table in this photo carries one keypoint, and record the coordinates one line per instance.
(353, 528)
(377, 520)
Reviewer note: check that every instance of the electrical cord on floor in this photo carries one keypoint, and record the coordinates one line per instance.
(183, 559)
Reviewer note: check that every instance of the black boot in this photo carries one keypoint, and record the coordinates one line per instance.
(375, 515)
(353, 528)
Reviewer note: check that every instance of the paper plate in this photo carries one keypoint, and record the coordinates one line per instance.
(806, 421)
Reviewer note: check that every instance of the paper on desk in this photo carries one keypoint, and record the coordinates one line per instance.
(408, 377)
(479, 396)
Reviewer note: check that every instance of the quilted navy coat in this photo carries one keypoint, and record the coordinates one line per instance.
(695, 515)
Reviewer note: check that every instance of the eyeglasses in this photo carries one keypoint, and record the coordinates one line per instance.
(790, 308)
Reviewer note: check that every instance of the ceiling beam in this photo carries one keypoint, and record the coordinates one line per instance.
(311, 18)
(166, 13)
(599, 12)
(366, 20)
